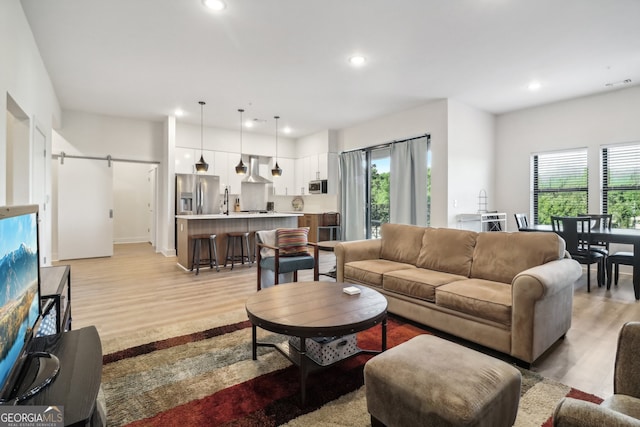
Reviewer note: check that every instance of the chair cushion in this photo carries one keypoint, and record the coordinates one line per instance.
(292, 241)
(289, 264)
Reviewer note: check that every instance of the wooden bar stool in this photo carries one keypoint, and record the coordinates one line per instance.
(242, 238)
(196, 260)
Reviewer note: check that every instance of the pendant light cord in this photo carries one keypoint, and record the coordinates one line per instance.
(201, 127)
(276, 117)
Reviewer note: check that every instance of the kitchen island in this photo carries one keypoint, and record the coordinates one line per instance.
(220, 224)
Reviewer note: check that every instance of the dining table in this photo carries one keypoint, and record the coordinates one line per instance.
(630, 236)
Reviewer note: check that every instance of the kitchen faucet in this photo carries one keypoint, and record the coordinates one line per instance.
(226, 200)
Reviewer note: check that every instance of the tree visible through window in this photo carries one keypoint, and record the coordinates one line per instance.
(621, 184)
(560, 185)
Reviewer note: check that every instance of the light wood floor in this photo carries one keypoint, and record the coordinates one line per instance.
(138, 289)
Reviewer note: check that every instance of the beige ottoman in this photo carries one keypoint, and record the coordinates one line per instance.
(428, 381)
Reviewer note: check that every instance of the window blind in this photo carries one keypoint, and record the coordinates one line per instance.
(560, 184)
(621, 184)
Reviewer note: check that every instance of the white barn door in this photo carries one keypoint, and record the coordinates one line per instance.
(85, 209)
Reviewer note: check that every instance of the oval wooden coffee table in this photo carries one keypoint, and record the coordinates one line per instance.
(314, 309)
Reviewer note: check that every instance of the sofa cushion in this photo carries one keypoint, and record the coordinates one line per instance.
(448, 250)
(417, 282)
(371, 271)
(477, 297)
(401, 242)
(501, 256)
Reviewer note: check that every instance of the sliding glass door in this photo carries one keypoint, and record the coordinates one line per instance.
(378, 205)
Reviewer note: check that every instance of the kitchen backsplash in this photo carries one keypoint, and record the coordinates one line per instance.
(314, 203)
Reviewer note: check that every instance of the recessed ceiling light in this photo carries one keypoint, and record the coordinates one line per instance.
(248, 124)
(179, 113)
(534, 85)
(286, 130)
(357, 60)
(216, 5)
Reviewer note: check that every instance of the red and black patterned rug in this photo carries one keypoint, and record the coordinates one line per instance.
(208, 379)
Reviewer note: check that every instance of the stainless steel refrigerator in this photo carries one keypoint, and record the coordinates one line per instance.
(197, 194)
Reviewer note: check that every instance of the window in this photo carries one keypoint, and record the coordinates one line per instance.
(379, 173)
(621, 184)
(560, 184)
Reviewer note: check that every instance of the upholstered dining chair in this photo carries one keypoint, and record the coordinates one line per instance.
(285, 250)
(621, 409)
(576, 232)
(521, 220)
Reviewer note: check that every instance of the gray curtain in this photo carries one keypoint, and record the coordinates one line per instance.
(353, 194)
(408, 182)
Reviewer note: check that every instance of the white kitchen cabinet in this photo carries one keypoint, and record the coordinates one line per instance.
(301, 178)
(323, 166)
(284, 185)
(185, 160)
(310, 168)
(225, 168)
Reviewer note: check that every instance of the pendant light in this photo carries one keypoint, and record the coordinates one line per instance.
(276, 171)
(241, 168)
(201, 165)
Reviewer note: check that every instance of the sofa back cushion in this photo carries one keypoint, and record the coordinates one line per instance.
(401, 242)
(501, 256)
(447, 250)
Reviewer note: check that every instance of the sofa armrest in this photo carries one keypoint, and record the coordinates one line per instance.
(356, 250)
(626, 378)
(573, 413)
(546, 279)
(542, 302)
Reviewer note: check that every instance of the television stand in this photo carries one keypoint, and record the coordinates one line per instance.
(76, 385)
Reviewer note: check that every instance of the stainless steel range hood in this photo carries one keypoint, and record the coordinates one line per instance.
(254, 172)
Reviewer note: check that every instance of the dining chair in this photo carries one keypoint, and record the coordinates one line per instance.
(576, 232)
(600, 222)
(521, 220)
(613, 263)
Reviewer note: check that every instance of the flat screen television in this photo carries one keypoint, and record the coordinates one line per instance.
(22, 374)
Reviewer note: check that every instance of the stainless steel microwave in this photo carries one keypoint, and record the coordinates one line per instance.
(318, 186)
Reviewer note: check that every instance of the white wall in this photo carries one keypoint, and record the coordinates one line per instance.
(583, 122)
(24, 78)
(97, 135)
(471, 159)
(188, 136)
(87, 134)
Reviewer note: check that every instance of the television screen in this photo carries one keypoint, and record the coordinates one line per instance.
(19, 286)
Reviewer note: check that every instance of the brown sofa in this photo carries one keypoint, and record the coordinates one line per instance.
(512, 292)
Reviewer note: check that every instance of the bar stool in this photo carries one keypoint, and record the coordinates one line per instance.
(196, 260)
(242, 238)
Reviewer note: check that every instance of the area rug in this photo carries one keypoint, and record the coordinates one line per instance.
(207, 378)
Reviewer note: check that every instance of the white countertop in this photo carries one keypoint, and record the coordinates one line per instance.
(240, 215)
